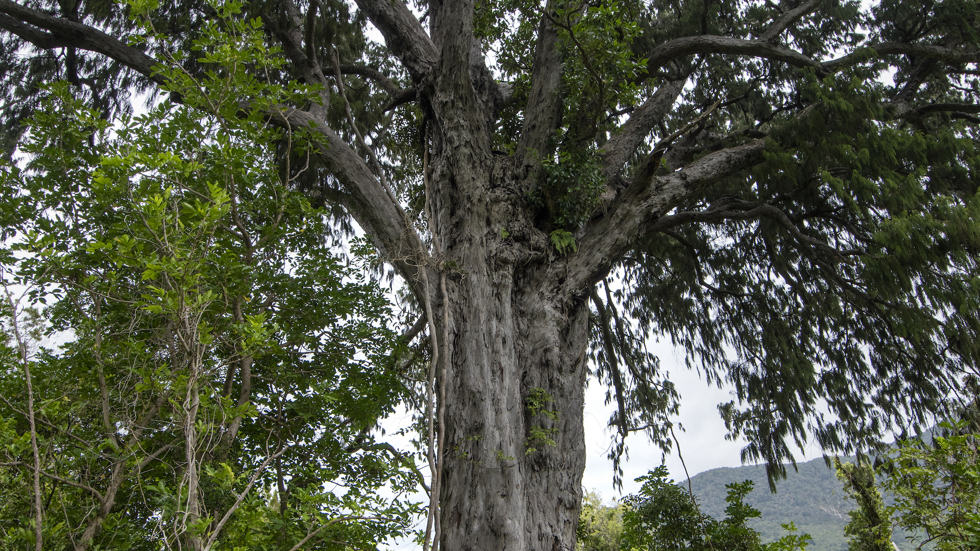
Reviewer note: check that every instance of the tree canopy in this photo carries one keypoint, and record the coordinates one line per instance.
(787, 191)
(220, 371)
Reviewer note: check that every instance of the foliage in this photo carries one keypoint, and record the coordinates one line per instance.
(563, 241)
(216, 363)
(569, 193)
(540, 413)
(600, 527)
(664, 516)
(870, 526)
(937, 487)
(810, 496)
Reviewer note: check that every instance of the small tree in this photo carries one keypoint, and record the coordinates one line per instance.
(221, 364)
(870, 526)
(600, 527)
(937, 487)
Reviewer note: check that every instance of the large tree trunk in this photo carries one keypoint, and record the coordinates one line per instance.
(514, 449)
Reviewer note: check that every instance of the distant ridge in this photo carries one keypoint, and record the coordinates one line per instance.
(812, 498)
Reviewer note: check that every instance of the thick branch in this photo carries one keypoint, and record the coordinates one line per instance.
(950, 107)
(369, 202)
(40, 39)
(621, 147)
(30, 25)
(413, 331)
(461, 118)
(291, 36)
(371, 73)
(543, 111)
(941, 53)
(730, 208)
(711, 44)
(452, 32)
(402, 97)
(611, 235)
(403, 34)
(785, 20)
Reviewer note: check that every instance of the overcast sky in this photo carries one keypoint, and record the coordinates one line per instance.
(702, 443)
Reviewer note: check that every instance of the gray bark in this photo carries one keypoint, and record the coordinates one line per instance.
(511, 475)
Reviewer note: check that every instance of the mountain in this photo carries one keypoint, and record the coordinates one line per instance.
(811, 497)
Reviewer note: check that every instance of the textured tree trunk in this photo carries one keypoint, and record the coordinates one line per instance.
(514, 449)
(512, 473)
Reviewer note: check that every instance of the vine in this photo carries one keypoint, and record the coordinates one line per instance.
(537, 403)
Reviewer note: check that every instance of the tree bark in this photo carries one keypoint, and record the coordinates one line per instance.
(512, 475)
(514, 451)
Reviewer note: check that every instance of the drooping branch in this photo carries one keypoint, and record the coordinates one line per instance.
(609, 347)
(297, 40)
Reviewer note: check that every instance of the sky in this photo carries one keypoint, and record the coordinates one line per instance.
(702, 442)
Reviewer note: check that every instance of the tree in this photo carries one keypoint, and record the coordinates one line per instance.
(786, 191)
(600, 527)
(665, 517)
(221, 365)
(936, 484)
(870, 528)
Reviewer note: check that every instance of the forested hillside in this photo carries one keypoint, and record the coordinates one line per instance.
(812, 497)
